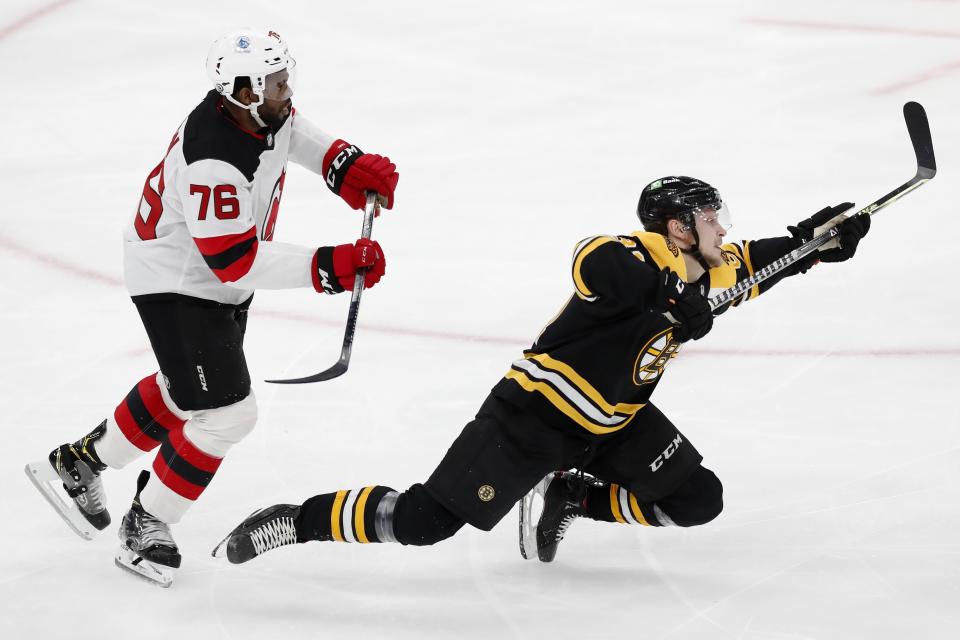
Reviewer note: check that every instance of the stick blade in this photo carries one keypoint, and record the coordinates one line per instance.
(919, 130)
(335, 371)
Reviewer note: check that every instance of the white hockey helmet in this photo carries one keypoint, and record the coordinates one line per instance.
(255, 54)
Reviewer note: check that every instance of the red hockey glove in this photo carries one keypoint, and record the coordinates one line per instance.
(334, 268)
(349, 172)
(686, 305)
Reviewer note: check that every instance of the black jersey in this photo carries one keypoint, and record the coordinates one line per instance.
(596, 364)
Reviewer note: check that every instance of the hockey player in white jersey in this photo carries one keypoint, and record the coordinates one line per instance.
(196, 249)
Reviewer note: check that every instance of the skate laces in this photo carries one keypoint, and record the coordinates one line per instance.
(96, 500)
(565, 522)
(273, 534)
(571, 509)
(570, 500)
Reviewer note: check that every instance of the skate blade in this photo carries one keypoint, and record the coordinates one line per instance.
(528, 524)
(48, 483)
(155, 574)
(220, 551)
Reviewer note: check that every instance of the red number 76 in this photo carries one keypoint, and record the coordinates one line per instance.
(225, 203)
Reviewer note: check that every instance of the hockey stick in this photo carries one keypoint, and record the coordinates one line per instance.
(340, 366)
(919, 130)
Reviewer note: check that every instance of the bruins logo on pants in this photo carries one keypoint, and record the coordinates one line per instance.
(654, 356)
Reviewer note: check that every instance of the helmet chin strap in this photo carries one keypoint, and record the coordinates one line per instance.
(252, 108)
(256, 116)
(694, 251)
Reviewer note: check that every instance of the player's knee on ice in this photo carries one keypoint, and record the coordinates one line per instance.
(698, 500)
(419, 520)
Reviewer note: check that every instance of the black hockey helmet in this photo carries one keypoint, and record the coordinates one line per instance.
(674, 197)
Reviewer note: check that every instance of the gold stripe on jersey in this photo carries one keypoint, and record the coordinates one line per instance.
(571, 394)
(561, 403)
(585, 387)
(744, 254)
(615, 503)
(582, 251)
(358, 517)
(335, 514)
(665, 254)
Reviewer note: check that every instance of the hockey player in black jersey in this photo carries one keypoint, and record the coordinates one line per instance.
(198, 245)
(580, 396)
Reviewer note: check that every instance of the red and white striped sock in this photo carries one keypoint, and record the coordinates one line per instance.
(140, 423)
(181, 472)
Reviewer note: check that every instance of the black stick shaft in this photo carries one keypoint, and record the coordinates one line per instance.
(919, 130)
(340, 366)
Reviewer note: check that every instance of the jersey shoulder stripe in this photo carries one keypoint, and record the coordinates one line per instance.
(662, 252)
(585, 248)
(210, 135)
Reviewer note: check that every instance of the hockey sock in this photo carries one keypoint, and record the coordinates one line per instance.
(181, 473)
(139, 423)
(354, 515)
(419, 519)
(611, 502)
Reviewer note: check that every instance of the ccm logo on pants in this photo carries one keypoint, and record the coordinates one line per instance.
(669, 451)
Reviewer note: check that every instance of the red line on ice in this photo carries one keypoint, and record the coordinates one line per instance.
(58, 264)
(23, 21)
(920, 78)
(861, 28)
(516, 342)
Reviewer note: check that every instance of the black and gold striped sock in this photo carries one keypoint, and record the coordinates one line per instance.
(354, 515)
(611, 502)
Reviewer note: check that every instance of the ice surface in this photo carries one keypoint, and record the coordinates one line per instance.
(827, 408)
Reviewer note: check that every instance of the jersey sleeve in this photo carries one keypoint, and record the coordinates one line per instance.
(612, 269)
(218, 210)
(308, 144)
(757, 254)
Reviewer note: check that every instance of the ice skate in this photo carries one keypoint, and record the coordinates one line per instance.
(561, 493)
(147, 548)
(70, 481)
(263, 530)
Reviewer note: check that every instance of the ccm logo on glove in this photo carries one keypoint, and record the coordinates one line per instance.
(334, 268)
(350, 172)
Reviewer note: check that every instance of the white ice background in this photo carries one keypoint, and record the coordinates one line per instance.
(828, 407)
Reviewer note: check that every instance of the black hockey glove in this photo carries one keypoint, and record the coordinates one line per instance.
(685, 306)
(840, 248)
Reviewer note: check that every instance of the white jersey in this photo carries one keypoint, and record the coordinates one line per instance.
(205, 223)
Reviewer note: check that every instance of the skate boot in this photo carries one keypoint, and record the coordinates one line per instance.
(263, 530)
(147, 548)
(76, 468)
(562, 493)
